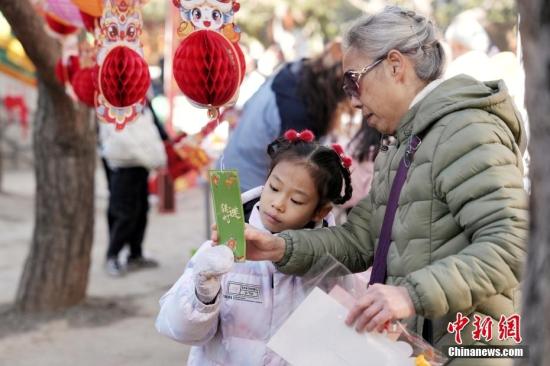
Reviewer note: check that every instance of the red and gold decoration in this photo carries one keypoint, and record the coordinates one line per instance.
(122, 75)
(209, 64)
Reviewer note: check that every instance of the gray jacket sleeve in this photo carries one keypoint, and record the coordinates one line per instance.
(351, 243)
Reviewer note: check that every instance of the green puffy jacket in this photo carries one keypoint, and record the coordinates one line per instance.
(459, 235)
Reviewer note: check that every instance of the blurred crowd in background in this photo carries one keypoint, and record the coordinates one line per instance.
(481, 39)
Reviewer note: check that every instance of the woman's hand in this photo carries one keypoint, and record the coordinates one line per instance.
(260, 245)
(379, 306)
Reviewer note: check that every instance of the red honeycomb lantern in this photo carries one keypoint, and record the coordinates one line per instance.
(59, 26)
(65, 72)
(83, 85)
(61, 72)
(89, 21)
(123, 77)
(208, 68)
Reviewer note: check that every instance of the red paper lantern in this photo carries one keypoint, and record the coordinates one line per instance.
(208, 68)
(61, 72)
(73, 65)
(58, 26)
(123, 77)
(89, 21)
(65, 72)
(83, 85)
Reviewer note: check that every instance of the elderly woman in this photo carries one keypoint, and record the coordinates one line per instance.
(459, 210)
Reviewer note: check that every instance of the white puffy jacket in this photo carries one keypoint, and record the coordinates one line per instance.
(254, 301)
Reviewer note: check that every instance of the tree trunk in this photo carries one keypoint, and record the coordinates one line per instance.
(535, 38)
(1, 149)
(56, 271)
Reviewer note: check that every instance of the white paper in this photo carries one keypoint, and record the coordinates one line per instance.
(316, 334)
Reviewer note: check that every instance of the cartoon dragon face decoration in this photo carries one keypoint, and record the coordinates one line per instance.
(206, 17)
(120, 25)
(215, 15)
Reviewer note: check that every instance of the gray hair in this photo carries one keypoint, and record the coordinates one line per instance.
(403, 30)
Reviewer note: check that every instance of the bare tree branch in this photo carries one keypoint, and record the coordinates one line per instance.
(28, 27)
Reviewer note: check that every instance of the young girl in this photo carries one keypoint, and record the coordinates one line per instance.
(228, 311)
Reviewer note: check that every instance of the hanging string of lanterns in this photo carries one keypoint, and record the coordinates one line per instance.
(111, 76)
(208, 65)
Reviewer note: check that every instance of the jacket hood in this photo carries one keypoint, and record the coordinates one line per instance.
(459, 93)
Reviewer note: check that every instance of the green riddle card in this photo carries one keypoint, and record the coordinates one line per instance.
(228, 210)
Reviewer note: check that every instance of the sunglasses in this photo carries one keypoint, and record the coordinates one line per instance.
(353, 77)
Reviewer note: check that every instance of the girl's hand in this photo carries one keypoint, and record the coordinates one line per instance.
(210, 265)
(214, 234)
(260, 246)
(379, 306)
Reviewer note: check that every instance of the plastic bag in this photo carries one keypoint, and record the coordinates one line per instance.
(337, 281)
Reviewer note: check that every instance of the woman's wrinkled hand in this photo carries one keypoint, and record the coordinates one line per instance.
(260, 245)
(381, 305)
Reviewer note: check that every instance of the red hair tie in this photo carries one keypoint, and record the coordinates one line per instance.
(292, 136)
(346, 160)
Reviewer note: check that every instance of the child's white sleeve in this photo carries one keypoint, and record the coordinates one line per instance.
(183, 317)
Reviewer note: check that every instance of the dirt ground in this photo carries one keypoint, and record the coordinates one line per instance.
(116, 324)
